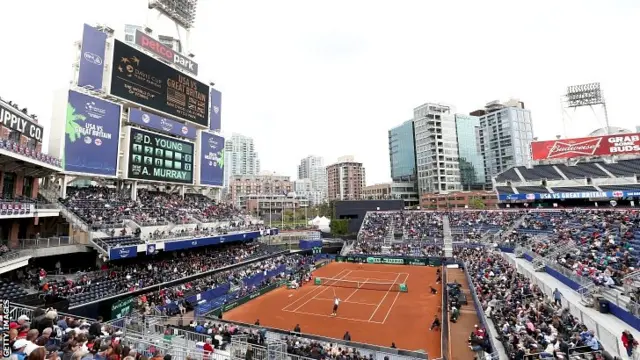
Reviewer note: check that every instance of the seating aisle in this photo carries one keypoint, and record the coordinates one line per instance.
(613, 325)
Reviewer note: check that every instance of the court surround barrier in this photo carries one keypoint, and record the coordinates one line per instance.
(391, 260)
(275, 334)
(233, 304)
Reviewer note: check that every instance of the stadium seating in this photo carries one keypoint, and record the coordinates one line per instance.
(9, 145)
(624, 167)
(117, 279)
(539, 172)
(531, 189)
(105, 208)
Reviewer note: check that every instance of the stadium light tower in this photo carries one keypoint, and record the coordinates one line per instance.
(586, 95)
(181, 12)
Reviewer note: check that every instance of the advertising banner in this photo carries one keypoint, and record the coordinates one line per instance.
(151, 249)
(124, 252)
(571, 195)
(157, 157)
(619, 144)
(92, 135)
(164, 52)
(215, 120)
(143, 80)
(392, 260)
(208, 241)
(16, 120)
(211, 159)
(122, 308)
(162, 124)
(91, 69)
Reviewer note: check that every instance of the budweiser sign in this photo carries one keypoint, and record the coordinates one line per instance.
(620, 144)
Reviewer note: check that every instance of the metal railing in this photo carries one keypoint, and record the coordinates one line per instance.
(609, 340)
(12, 255)
(45, 242)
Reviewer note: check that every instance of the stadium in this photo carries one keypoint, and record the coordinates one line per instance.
(118, 244)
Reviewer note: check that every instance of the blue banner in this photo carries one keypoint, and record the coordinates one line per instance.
(151, 249)
(162, 124)
(211, 159)
(215, 111)
(309, 244)
(208, 241)
(91, 69)
(92, 135)
(571, 195)
(125, 252)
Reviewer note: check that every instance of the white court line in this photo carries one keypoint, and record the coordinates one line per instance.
(372, 279)
(333, 317)
(348, 302)
(378, 272)
(310, 292)
(325, 289)
(394, 302)
(385, 296)
(355, 291)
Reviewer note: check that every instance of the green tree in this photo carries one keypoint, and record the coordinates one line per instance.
(339, 227)
(476, 203)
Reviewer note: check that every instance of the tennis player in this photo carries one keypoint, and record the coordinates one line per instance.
(336, 303)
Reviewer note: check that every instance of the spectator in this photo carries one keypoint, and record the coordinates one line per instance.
(629, 342)
(346, 336)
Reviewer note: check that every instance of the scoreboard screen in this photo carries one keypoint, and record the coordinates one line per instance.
(161, 158)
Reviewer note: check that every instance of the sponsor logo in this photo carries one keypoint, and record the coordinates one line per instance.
(216, 109)
(618, 194)
(185, 130)
(87, 140)
(146, 118)
(98, 142)
(166, 53)
(531, 196)
(212, 143)
(94, 111)
(583, 148)
(124, 253)
(93, 58)
(166, 124)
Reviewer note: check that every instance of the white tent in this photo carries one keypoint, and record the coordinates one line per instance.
(321, 222)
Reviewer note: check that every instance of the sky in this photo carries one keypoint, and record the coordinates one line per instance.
(330, 78)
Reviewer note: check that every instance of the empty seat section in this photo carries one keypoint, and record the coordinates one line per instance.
(581, 171)
(573, 189)
(508, 175)
(505, 190)
(624, 168)
(540, 172)
(531, 189)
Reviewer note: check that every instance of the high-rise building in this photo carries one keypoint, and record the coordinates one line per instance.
(345, 179)
(312, 168)
(436, 148)
(240, 157)
(505, 135)
(402, 155)
(471, 160)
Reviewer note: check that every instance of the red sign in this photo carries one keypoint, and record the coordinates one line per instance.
(619, 144)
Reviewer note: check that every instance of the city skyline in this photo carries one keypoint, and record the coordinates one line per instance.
(355, 91)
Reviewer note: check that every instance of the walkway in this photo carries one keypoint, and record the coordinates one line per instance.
(459, 331)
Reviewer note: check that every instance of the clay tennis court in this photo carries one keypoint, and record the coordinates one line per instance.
(371, 312)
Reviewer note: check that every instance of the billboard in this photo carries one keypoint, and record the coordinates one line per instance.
(156, 157)
(143, 80)
(162, 124)
(215, 120)
(571, 195)
(92, 135)
(607, 145)
(91, 69)
(211, 159)
(16, 120)
(160, 50)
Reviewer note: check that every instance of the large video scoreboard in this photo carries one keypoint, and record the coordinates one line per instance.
(160, 158)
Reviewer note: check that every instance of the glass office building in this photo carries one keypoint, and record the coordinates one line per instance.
(470, 158)
(402, 155)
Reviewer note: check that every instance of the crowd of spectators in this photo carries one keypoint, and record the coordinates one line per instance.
(603, 244)
(177, 294)
(415, 249)
(106, 207)
(527, 322)
(427, 225)
(131, 275)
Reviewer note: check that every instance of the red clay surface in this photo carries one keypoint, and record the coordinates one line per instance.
(376, 317)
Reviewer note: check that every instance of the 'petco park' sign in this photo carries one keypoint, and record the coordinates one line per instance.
(619, 144)
(148, 43)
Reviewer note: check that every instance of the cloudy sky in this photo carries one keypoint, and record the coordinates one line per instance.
(331, 77)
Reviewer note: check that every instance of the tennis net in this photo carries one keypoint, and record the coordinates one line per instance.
(365, 285)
